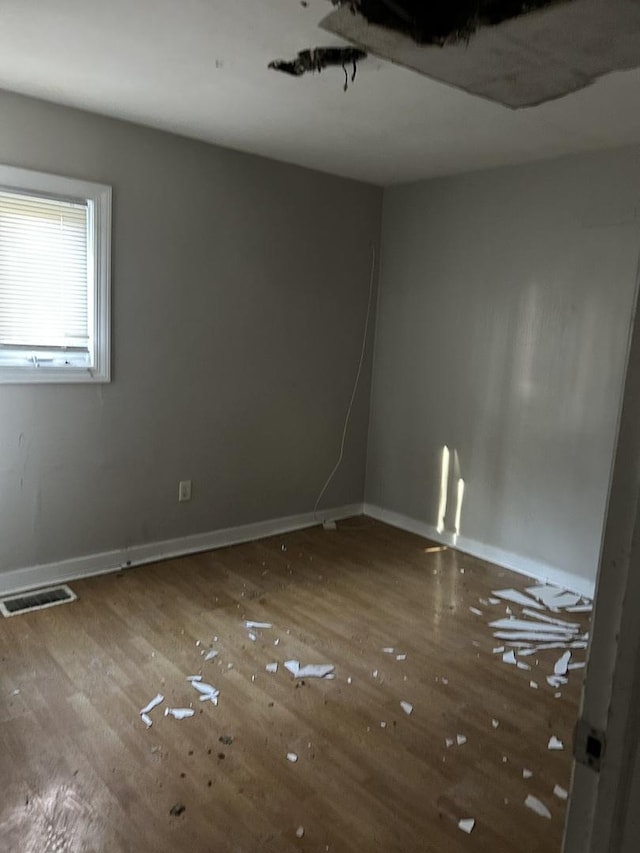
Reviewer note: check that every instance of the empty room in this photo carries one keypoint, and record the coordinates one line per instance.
(319, 460)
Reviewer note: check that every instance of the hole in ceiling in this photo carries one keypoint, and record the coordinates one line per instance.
(319, 58)
(441, 21)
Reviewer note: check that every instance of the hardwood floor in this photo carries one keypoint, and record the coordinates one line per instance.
(80, 772)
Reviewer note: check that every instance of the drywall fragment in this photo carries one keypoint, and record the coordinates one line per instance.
(560, 793)
(508, 611)
(312, 670)
(562, 664)
(533, 685)
(553, 597)
(272, 667)
(495, 723)
(374, 674)
(555, 744)
(534, 627)
(401, 657)
(276, 642)
(580, 608)
(461, 740)
(517, 598)
(509, 657)
(252, 637)
(157, 700)
(526, 774)
(258, 625)
(211, 654)
(499, 650)
(179, 713)
(292, 757)
(383, 725)
(466, 825)
(550, 620)
(300, 832)
(476, 611)
(537, 806)
(444, 680)
(449, 742)
(521, 665)
(494, 601)
(349, 679)
(513, 636)
(203, 687)
(388, 650)
(556, 681)
(573, 666)
(193, 678)
(146, 719)
(407, 707)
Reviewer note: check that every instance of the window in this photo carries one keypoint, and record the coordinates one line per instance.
(54, 278)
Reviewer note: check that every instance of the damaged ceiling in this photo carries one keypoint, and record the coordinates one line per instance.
(200, 68)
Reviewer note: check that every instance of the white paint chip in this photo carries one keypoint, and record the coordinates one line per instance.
(210, 655)
(509, 657)
(556, 680)
(495, 723)
(407, 707)
(522, 665)
(498, 650)
(374, 674)
(312, 670)
(562, 664)
(158, 699)
(526, 774)
(533, 685)
(258, 625)
(252, 637)
(466, 825)
(517, 598)
(388, 650)
(476, 612)
(383, 725)
(194, 678)
(292, 757)
(461, 740)
(555, 744)
(494, 601)
(146, 719)
(179, 713)
(537, 806)
(300, 832)
(401, 657)
(573, 666)
(272, 667)
(561, 793)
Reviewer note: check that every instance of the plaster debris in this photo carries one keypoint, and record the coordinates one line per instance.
(562, 664)
(383, 725)
(461, 740)
(388, 651)
(476, 611)
(157, 700)
(146, 719)
(179, 713)
(312, 670)
(401, 657)
(556, 681)
(580, 608)
(207, 691)
(550, 620)
(509, 657)
(349, 679)
(494, 601)
(210, 655)
(252, 637)
(407, 707)
(526, 774)
(521, 665)
(537, 806)
(498, 650)
(258, 625)
(517, 598)
(534, 627)
(374, 673)
(300, 832)
(555, 744)
(292, 757)
(532, 637)
(495, 723)
(276, 642)
(560, 793)
(15, 692)
(193, 678)
(272, 667)
(466, 825)
(573, 666)
(449, 742)
(533, 685)
(553, 597)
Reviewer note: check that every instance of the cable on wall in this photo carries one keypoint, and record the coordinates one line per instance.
(355, 386)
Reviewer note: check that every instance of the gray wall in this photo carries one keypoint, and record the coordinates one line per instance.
(239, 294)
(503, 321)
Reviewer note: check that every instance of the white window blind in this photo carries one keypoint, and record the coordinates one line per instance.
(45, 285)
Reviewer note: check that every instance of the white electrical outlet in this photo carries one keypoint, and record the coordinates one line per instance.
(184, 490)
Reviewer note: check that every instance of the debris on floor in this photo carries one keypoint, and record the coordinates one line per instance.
(311, 670)
(555, 744)
(211, 654)
(146, 719)
(560, 793)
(179, 713)
(292, 757)
(272, 667)
(300, 832)
(258, 625)
(466, 825)
(207, 691)
(157, 700)
(537, 806)
(407, 707)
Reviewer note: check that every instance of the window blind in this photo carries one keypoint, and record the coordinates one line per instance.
(44, 286)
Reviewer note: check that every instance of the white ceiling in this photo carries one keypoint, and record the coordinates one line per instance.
(199, 68)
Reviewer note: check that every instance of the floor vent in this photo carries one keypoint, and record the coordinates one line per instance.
(13, 605)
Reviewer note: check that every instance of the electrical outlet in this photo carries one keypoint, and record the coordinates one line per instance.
(184, 490)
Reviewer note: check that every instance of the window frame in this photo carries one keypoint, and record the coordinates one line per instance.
(99, 252)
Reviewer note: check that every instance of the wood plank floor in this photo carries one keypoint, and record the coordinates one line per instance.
(80, 772)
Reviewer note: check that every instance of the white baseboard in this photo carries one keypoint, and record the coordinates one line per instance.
(19, 580)
(508, 560)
